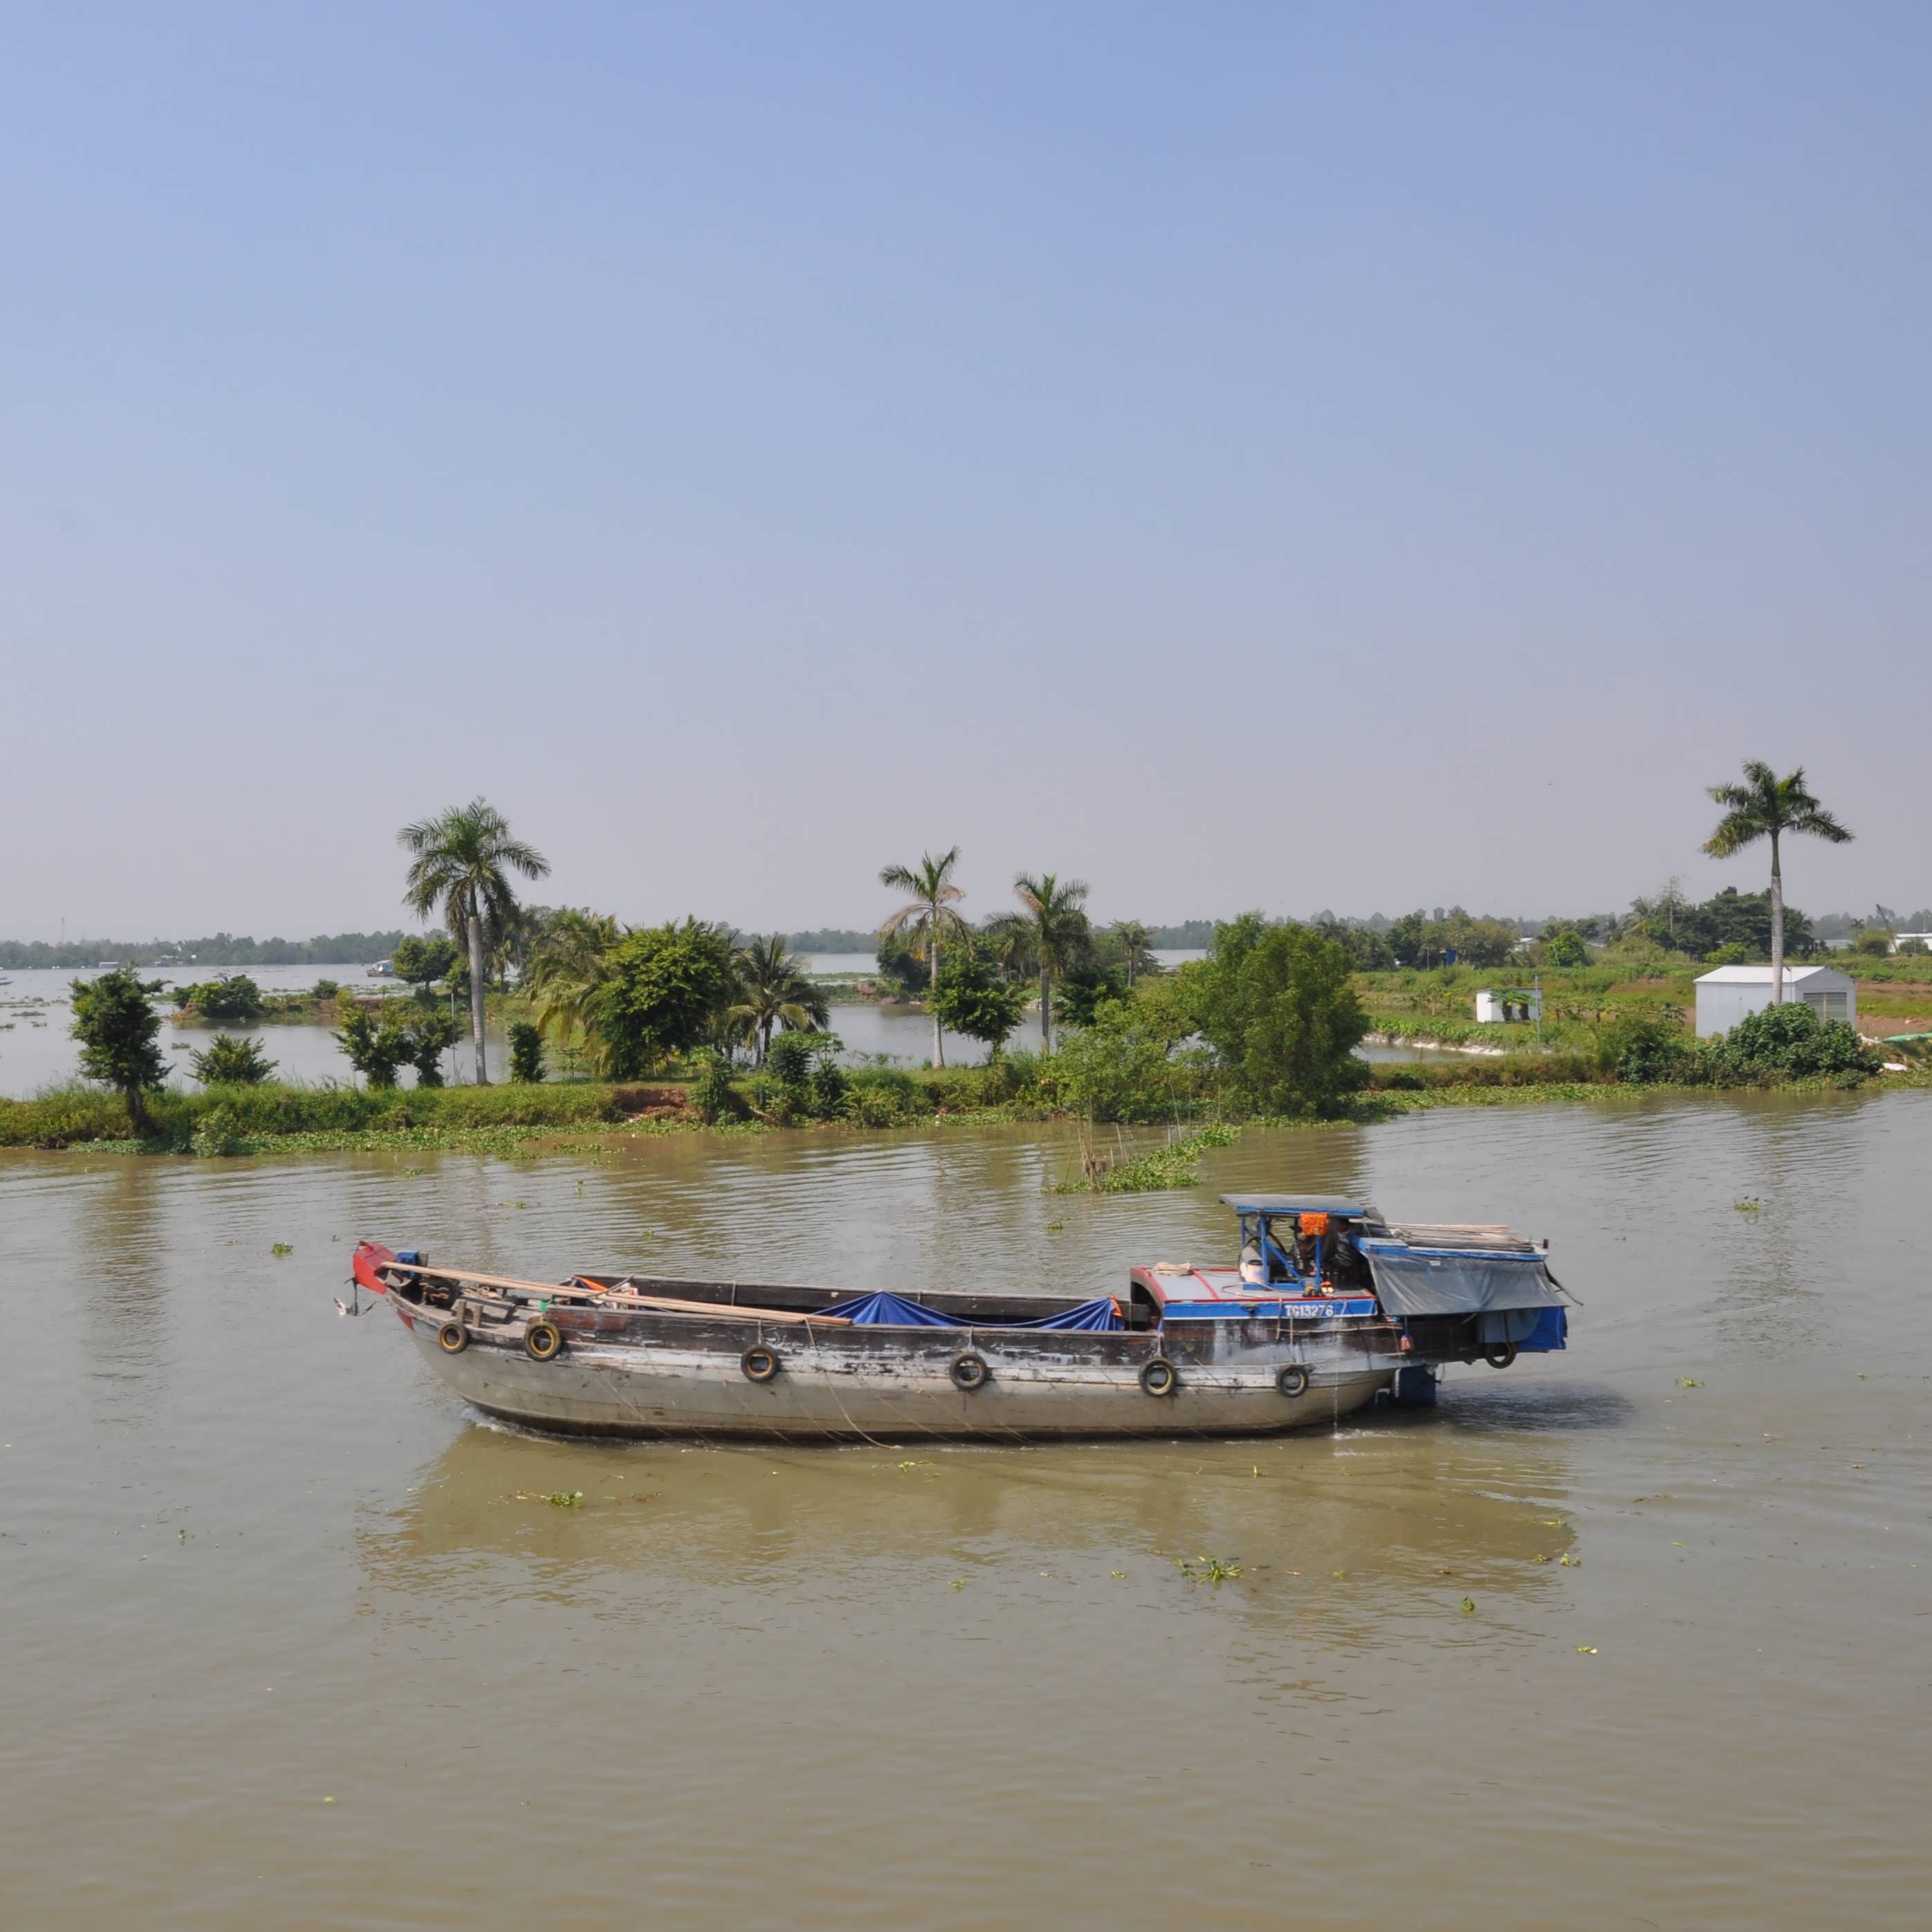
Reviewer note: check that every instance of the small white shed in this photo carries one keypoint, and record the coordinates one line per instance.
(1726, 996)
(1492, 1009)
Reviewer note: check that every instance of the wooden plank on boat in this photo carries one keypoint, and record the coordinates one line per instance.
(605, 1297)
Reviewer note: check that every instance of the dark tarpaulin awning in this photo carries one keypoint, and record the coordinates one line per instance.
(1408, 1283)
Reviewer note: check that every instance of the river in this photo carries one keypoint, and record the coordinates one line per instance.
(1637, 1634)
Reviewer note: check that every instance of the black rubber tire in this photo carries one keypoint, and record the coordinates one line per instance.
(1292, 1381)
(543, 1341)
(1500, 1354)
(970, 1372)
(1160, 1378)
(760, 1364)
(452, 1338)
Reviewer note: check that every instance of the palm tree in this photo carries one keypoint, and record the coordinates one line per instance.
(1766, 806)
(458, 861)
(777, 992)
(1008, 939)
(1134, 940)
(930, 919)
(569, 960)
(1060, 933)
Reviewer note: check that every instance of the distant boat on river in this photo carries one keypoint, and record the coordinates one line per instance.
(1328, 1309)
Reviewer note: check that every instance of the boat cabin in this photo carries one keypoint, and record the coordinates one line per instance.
(1298, 1253)
(1330, 1257)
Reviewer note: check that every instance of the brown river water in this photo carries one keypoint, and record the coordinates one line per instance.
(291, 1638)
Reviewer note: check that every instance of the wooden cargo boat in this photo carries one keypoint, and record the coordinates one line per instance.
(1327, 1309)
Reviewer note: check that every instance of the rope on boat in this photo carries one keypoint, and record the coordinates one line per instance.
(833, 1392)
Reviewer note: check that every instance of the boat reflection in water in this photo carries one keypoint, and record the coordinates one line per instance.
(1390, 1508)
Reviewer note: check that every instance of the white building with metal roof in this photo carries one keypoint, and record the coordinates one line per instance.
(1724, 997)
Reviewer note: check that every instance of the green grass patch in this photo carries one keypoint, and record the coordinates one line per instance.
(69, 1115)
(1173, 1166)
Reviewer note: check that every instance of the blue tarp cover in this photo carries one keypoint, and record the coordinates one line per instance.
(892, 1311)
(895, 1311)
(1102, 1312)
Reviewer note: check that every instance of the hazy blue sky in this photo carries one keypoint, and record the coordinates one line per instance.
(1346, 454)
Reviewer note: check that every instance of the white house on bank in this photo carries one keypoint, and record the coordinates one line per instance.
(1726, 996)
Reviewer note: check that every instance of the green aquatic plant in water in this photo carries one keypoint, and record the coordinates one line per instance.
(1212, 1569)
(1171, 1166)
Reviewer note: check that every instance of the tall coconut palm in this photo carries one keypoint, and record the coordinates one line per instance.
(1053, 908)
(1134, 940)
(460, 862)
(929, 920)
(774, 990)
(569, 960)
(1766, 806)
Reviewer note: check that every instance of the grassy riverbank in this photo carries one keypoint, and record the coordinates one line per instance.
(295, 1119)
(1439, 1005)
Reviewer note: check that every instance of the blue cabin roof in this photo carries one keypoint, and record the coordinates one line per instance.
(1294, 1204)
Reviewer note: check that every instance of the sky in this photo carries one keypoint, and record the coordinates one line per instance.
(1355, 455)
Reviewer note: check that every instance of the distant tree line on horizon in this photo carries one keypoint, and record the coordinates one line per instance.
(1669, 919)
(224, 949)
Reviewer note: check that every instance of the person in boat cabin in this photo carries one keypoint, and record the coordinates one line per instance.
(1342, 1263)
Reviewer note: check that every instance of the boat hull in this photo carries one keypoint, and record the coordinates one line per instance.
(831, 1386)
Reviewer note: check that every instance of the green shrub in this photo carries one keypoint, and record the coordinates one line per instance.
(1084, 990)
(1645, 1044)
(1114, 1069)
(713, 1092)
(973, 1001)
(422, 961)
(431, 1034)
(1790, 1043)
(831, 1091)
(230, 997)
(230, 1061)
(218, 1132)
(774, 1102)
(802, 1078)
(1010, 1077)
(886, 1096)
(789, 1058)
(526, 1052)
(1277, 1004)
(375, 1049)
(1731, 954)
(1564, 946)
(116, 1028)
(665, 989)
